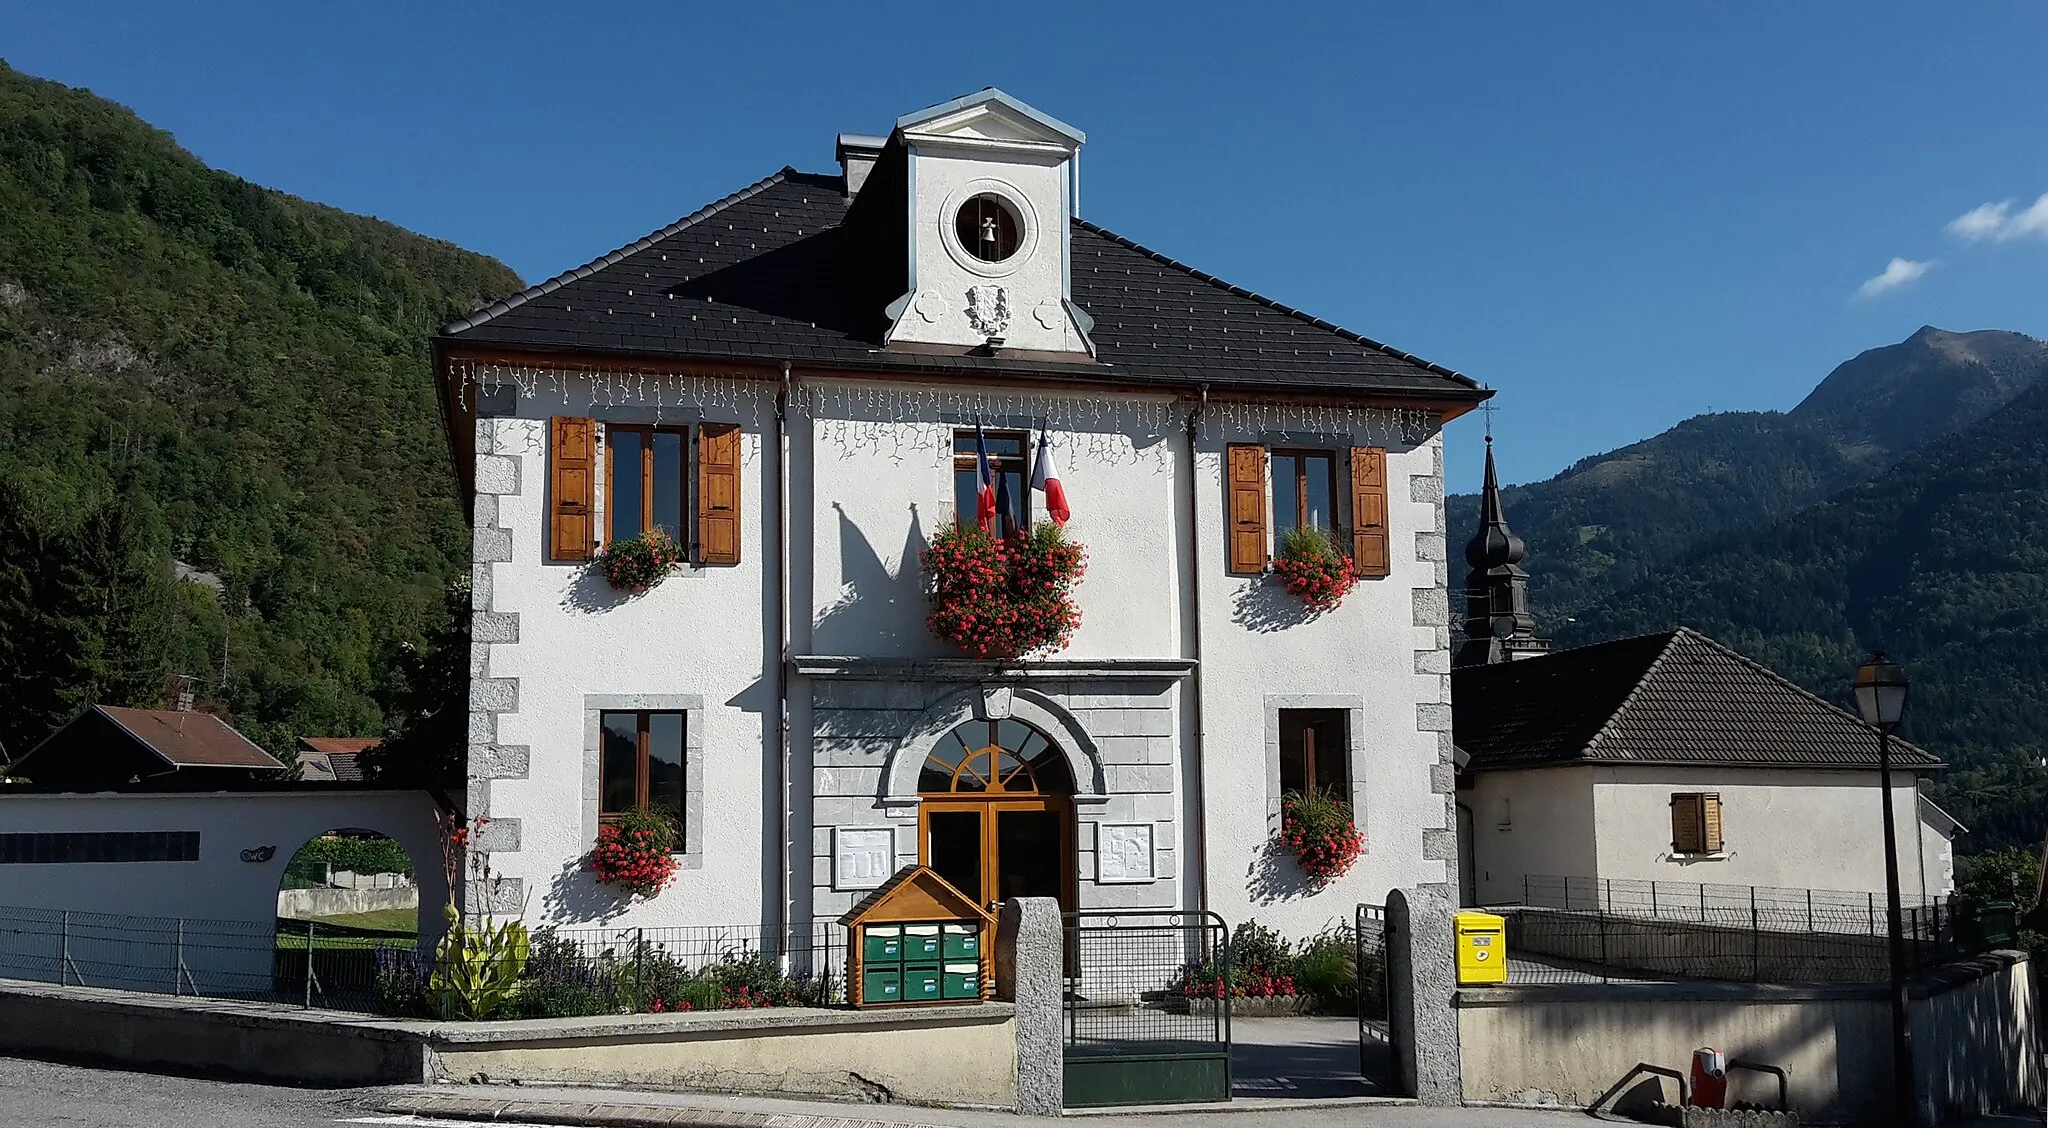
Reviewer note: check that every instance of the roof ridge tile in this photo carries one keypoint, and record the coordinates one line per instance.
(1634, 691)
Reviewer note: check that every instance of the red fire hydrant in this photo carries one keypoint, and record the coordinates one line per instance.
(1709, 1079)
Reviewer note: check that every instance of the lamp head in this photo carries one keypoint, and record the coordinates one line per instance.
(1881, 691)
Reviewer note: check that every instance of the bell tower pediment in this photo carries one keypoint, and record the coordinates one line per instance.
(990, 186)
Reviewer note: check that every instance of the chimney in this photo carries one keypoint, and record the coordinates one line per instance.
(183, 700)
(857, 153)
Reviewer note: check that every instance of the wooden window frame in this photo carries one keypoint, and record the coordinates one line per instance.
(997, 465)
(1300, 516)
(647, 431)
(1711, 833)
(641, 762)
(1308, 759)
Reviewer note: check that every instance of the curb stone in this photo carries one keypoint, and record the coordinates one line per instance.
(605, 1115)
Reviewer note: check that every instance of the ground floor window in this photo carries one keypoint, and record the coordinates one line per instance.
(640, 763)
(1315, 752)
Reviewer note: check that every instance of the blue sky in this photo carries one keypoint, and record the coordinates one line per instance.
(1618, 214)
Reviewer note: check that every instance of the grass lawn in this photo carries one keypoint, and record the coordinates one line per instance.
(382, 920)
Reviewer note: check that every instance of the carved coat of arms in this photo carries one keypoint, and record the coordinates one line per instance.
(988, 309)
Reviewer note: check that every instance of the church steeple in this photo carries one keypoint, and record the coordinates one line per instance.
(1498, 625)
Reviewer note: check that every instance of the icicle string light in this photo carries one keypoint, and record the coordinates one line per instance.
(912, 419)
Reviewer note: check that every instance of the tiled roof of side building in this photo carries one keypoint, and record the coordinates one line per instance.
(1677, 697)
(190, 740)
(758, 276)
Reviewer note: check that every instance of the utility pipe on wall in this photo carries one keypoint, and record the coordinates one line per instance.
(1200, 830)
(782, 742)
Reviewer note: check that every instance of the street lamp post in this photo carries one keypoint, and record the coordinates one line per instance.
(1881, 699)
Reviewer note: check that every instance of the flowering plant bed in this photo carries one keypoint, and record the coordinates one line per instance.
(1003, 597)
(1318, 829)
(1314, 570)
(641, 562)
(635, 853)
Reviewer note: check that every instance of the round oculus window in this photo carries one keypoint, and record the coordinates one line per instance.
(988, 228)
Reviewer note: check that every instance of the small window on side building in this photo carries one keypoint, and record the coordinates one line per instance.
(1696, 823)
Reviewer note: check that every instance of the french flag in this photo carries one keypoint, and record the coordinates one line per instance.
(985, 482)
(1045, 478)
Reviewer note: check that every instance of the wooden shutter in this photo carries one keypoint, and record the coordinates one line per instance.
(1246, 479)
(718, 493)
(1710, 823)
(1688, 824)
(1369, 546)
(572, 481)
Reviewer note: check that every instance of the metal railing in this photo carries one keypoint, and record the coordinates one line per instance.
(1751, 906)
(568, 971)
(1548, 945)
(1146, 978)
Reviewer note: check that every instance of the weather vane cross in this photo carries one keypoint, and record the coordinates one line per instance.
(1486, 409)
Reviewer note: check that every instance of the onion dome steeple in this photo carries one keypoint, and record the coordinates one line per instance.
(1498, 626)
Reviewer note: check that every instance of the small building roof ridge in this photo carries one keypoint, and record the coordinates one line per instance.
(541, 289)
(1348, 334)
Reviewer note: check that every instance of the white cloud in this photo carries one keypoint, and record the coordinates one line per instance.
(1999, 223)
(1898, 272)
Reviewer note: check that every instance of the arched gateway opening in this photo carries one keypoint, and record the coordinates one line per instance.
(996, 817)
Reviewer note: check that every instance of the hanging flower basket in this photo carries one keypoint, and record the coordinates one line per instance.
(1318, 829)
(641, 562)
(1314, 569)
(1003, 598)
(635, 853)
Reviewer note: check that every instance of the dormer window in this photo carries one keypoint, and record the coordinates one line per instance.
(988, 228)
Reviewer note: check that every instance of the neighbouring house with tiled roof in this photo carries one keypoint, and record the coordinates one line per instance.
(803, 385)
(1662, 758)
(112, 748)
(334, 759)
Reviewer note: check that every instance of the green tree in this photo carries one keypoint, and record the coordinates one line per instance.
(428, 738)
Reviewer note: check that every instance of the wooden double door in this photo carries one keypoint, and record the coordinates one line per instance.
(997, 814)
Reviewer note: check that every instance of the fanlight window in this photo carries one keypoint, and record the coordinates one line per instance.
(995, 758)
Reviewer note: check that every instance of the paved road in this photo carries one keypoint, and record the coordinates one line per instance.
(42, 1095)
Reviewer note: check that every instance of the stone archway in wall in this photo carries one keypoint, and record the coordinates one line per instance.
(996, 778)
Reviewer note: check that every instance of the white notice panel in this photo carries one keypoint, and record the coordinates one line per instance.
(862, 857)
(1123, 854)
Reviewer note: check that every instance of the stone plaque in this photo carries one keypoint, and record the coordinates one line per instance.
(862, 857)
(1123, 854)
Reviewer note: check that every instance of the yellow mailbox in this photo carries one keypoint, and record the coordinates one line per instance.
(1482, 948)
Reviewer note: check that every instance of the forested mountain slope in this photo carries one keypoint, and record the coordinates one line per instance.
(199, 369)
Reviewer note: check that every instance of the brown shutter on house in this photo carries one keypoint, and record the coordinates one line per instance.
(718, 493)
(572, 481)
(1246, 470)
(1688, 824)
(1710, 823)
(1369, 545)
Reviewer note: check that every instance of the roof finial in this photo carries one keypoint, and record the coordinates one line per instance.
(1486, 409)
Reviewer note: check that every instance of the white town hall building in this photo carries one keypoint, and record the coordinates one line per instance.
(789, 381)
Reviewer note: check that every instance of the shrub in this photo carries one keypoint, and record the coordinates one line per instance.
(560, 981)
(1259, 949)
(1326, 969)
(639, 563)
(401, 982)
(1314, 569)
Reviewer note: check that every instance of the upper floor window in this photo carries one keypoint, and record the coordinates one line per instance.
(683, 480)
(1315, 752)
(1008, 462)
(1268, 493)
(1696, 822)
(1304, 490)
(640, 764)
(647, 480)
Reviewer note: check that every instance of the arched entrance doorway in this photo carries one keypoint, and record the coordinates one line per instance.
(996, 817)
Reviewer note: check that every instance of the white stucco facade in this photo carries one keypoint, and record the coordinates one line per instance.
(1782, 828)
(1164, 705)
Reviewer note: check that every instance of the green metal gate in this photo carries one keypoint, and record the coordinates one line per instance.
(1369, 961)
(1146, 1022)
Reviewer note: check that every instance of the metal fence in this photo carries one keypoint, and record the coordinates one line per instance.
(1148, 1005)
(569, 971)
(1594, 946)
(1749, 906)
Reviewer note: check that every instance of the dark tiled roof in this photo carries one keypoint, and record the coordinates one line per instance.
(1673, 698)
(759, 276)
(190, 740)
